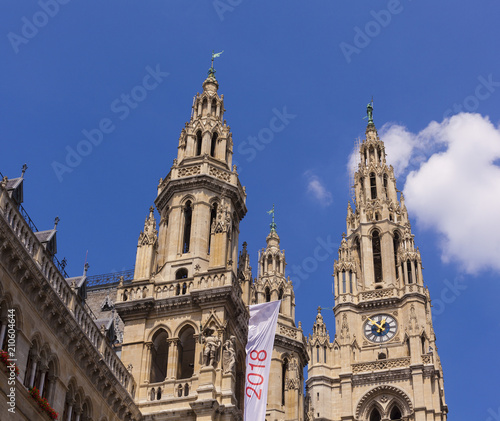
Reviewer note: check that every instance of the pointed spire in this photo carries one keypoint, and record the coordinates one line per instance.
(273, 224)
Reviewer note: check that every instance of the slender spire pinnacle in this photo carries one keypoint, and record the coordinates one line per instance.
(273, 224)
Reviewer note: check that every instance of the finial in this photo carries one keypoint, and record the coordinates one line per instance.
(24, 168)
(56, 221)
(211, 71)
(85, 268)
(273, 224)
(151, 209)
(369, 112)
(319, 309)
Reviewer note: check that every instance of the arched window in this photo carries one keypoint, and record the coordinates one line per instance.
(408, 269)
(408, 348)
(213, 144)
(373, 185)
(184, 288)
(284, 369)
(268, 295)
(422, 342)
(317, 353)
(204, 107)
(213, 217)
(324, 354)
(386, 183)
(350, 280)
(159, 357)
(395, 242)
(375, 415)
(198, 143)
(188, 214)
(382, 356)
(269, 263)
(186, 353)
(344, 290)
(377, 256)
(181, 274)
(178, 289)
(213, 110)
(396, 413)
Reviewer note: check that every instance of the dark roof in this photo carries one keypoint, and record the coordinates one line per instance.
(79, 280)
(45, 236)
(13, 183)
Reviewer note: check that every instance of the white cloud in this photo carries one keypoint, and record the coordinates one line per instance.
(453, 185)
(316, 188)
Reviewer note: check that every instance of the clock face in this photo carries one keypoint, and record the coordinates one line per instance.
(380, 328)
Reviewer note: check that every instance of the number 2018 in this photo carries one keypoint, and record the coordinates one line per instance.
(255, 379)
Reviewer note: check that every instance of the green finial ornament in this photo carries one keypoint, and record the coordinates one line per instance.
(369, 112)
(273, 224)
(211, 71)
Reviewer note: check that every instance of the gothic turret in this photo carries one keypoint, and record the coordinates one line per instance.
(285, 399)
(184, 312)
(383, 363)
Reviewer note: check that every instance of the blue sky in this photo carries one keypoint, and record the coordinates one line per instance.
(319, 62)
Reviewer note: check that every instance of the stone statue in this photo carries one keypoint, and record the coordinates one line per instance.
(229, 355)
(210, 347)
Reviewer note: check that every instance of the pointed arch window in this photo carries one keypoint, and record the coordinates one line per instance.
(268, 295)
(375, 415)
(408, 270)
(344, 287)
(395, 243)
(377, 256)
(213, 217)
(396, 413)
(213, 144)
(159, 357)
(386, 184)
(324, 353)
(188, 214)
(373, 185)
(186, 353)
(284, 369)
(198, 143)
(350, 280)
(422, 342)
(213, 109)
(204, 106)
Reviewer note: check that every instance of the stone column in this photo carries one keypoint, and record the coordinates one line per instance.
(70, 410)
(33, 372)
(43, 374)
(147, 363)
(173, 353)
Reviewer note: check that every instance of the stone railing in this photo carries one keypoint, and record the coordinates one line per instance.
(204, 167)
(54, 279)
(380, 365)
(171, 389)
(288, 331)
(378, 294)
(427, 358)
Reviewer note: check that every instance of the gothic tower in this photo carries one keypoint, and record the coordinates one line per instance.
(383, 362)
(285, 400)
(184, 313)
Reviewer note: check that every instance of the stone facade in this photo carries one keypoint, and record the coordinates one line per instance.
(58, 347)
(382, 363)
(166, 341)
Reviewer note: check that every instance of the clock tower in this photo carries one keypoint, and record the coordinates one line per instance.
(383, 362)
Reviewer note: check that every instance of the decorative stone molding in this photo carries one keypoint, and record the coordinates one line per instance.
(381, 365)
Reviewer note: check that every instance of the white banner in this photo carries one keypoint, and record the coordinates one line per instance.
(259, 349)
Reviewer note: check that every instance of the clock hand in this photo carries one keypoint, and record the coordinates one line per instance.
(375, 323)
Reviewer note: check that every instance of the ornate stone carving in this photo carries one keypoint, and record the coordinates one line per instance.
(229, 355)
(381, 365)
(188, 171)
